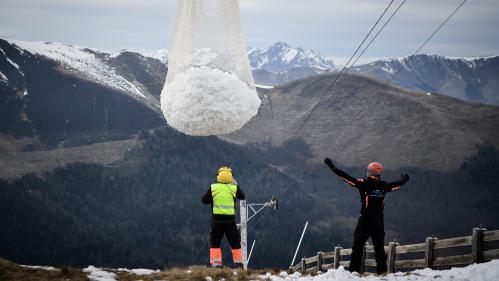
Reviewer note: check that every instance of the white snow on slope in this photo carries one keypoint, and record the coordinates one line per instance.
(97, 274)
(39, 267)
(264, 86)
(13, 63)
(3, 78)
(80, 59)
(161, 55)
(477, 272)
(139, 271)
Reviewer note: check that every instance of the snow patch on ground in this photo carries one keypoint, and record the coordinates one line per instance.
(13, 63)
(481, 272)
(3, 77)
(264, 86)
(97, 274)
(161, 55)
(289, 55)
(39, 267)
(81, 59)
(139, 271)
(204, 101)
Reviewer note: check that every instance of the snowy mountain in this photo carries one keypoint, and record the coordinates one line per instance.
(282, 57)
(470, 79)
(53, 88)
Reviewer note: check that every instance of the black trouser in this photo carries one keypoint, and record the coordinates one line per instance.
(369, 226)
(227, 227)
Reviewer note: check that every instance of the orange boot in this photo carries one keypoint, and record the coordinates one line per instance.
(237, 257)
(216, 257)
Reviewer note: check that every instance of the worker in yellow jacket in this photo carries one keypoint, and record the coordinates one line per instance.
(222, 197)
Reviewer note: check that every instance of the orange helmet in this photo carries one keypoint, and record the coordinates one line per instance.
(375, 169)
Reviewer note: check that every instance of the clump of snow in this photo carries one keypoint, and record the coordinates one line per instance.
(25, 93)
(204, 101)
(97, 274)
(80, 59)
(484, 272)
(39, 267)
(139, 271)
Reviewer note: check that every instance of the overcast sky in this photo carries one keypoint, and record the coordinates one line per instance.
(332, 27)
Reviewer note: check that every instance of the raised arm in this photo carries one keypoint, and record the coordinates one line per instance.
(342, 174)
(394, 186)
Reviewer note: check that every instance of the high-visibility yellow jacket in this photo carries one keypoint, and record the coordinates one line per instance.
(224, 198)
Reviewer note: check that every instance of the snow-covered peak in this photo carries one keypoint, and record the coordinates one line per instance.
(161, 55)
(78, 59)
(437, 57)
(281, 57)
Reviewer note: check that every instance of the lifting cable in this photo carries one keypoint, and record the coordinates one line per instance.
(431, 36)
(342, 73)
(324, 96)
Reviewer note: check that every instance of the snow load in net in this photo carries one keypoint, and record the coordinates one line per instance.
(209, 89)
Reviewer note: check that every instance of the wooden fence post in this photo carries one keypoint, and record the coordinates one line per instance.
(319, 261)
(477, 245)
(337, 257)
(429, 252)
(303, 265)
(363, 261)
(391, 256)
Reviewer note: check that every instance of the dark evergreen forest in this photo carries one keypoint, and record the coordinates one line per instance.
(152, 216)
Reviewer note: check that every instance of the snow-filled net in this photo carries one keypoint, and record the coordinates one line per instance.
(209, 89)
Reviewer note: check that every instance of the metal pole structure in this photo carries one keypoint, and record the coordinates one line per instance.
(251, 251)
(299, 244)
(244, 234)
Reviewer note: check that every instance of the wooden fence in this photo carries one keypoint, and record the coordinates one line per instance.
(432, 249)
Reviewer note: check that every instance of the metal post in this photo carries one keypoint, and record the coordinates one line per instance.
(251, 251)
(244, 234)
(299, 243)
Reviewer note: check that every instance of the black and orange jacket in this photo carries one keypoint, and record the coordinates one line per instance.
(372, 191)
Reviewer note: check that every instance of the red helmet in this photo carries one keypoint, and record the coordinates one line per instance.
(375, 169)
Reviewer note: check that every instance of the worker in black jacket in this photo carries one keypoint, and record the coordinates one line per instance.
(372, 192)
(222, 197)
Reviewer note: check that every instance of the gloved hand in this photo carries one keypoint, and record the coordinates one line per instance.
(329, 163)
(404, 177)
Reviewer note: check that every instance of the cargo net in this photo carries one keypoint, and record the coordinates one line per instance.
(209, 89)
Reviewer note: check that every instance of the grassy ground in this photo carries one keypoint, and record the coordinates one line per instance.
(12, 272)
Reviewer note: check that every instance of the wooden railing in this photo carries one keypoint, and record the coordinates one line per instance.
(433, 257)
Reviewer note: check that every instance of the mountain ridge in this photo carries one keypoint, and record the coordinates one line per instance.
(472, 78)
